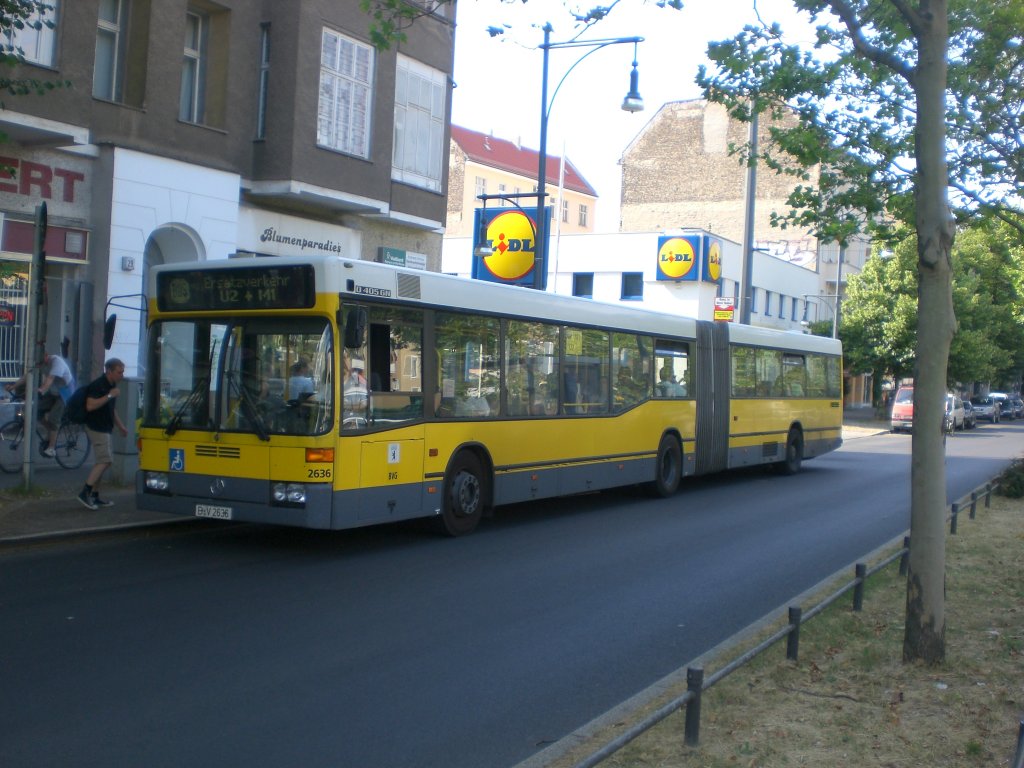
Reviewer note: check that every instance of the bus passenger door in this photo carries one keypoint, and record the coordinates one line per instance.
(391, 479)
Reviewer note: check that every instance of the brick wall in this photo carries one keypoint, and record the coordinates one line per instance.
(679, 173)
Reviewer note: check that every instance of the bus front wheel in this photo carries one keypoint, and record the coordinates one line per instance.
(463, 496)
(669, 469)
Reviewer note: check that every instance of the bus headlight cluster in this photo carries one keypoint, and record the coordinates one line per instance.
(288, 493)
(156, 481)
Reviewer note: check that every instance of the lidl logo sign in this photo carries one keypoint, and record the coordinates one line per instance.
(677, 258)
(712, 271)
(690, 258)
(512, 236)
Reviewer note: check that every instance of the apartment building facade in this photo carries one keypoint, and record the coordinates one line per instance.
(205, 130)
(482, 164)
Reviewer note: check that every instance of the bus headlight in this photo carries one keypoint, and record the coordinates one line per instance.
(156, 481)
(288, 494)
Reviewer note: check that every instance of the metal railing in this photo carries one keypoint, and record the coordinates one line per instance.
(697, 683)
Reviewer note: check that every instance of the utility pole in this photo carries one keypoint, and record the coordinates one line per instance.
(746, 276)
(35, 340)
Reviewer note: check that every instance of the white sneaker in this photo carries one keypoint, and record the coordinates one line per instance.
(49, 453)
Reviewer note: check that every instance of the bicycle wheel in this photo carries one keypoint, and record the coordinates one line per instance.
(12, 436)
(72, 445)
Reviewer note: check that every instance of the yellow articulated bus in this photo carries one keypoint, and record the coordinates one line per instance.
(330, 393)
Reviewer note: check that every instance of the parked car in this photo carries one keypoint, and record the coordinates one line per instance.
(970, 418)
(1018, 406)
(986, 408)
(955, 411)
(1005, 406)
(902, 417)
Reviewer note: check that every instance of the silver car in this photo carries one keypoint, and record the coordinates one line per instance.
(985, 408)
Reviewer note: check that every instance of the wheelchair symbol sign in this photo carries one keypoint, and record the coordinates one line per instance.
(177, 459)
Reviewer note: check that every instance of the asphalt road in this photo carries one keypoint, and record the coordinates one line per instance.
(387, 647)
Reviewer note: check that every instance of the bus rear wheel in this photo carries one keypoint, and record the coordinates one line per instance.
(790, 465)
(463, 496)
(669, 468)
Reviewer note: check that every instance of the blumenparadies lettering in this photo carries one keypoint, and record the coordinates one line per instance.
(270, 235)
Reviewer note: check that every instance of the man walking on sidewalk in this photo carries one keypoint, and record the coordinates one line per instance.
(100, 420)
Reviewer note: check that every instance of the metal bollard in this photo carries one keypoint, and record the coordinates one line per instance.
(695, 685)
(793, 638)
(905, 557)
(860, 571)
(1018, 758)
(952, 518)
(974, 503)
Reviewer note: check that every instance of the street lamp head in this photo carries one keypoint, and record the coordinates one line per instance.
(633, 102)
(483, 250)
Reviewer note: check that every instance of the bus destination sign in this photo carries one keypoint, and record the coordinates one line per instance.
(199, 290)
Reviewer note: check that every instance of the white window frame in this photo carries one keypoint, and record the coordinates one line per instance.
(346, 94)
(192, 100)
(421, 102)
(583, 214)
(39, 46)
(112, 89)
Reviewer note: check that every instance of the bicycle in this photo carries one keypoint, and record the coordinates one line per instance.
(72, 446)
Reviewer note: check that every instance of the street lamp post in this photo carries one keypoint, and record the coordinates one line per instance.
(632, 103)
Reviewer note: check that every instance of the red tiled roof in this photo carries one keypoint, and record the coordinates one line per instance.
(505, 155)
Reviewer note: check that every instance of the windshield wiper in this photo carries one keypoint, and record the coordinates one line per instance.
(250, 408)
(202, 385)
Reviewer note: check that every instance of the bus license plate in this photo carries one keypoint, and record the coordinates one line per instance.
(207, 510)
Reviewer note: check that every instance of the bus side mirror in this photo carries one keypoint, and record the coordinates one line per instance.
(355, 328)
(108, 331)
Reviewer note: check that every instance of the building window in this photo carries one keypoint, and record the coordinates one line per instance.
(343, 114)
(480, 184)
(565, 211)
(767, 303)
(792, 315)
(583, 215)
(261, 105)
(108, 71)
(753, 299)
(419, 124)
(192, 104)
(632, 286)
(36, 42)
(782, 307)
(583, 284)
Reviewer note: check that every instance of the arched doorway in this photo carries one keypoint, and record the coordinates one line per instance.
(168, 244)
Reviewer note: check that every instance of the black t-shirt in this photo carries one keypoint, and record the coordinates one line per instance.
(102, 419)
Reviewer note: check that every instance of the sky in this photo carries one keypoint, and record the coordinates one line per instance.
(498, 79)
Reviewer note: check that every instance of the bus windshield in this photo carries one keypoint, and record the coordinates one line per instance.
(259, 375)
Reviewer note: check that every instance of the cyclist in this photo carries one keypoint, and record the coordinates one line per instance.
(54, 390)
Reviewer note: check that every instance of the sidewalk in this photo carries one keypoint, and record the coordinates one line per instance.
(51, 508)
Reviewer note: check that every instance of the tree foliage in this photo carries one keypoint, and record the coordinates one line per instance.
(854, 95)
(879, 324)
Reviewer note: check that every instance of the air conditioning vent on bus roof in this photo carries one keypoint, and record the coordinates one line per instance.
(408, 286)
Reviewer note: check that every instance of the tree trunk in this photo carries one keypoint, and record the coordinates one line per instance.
(925, 633)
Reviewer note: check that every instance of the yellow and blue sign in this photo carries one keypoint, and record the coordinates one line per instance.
(689, 258)
(677, 258)
(511, 233)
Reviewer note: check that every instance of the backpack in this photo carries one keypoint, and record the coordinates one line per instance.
(75, 407)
